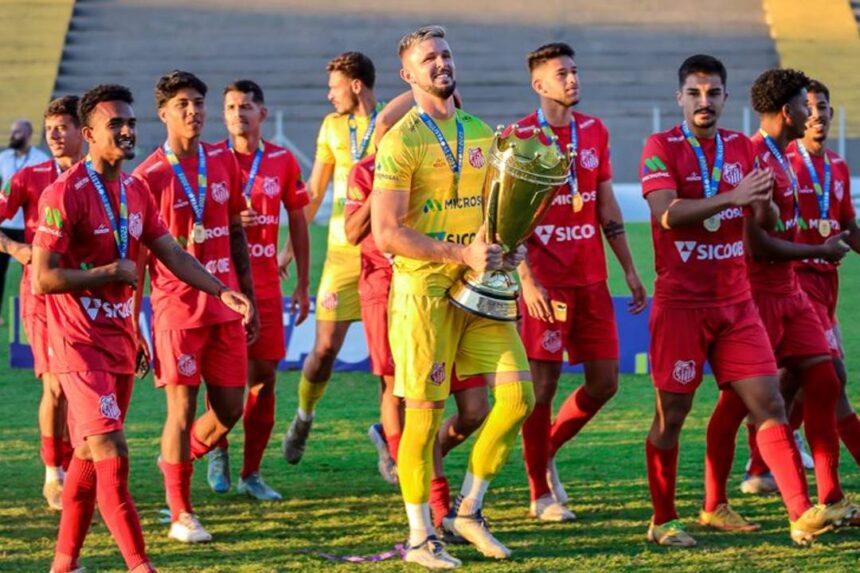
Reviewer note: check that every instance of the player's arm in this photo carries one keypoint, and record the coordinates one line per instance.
(242, 263)
(300, 240)
(612, 223)
(50, 278)
(762, 246)
(321, 175)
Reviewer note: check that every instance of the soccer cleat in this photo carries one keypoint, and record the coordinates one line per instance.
(218, 473)
(431, 554)
(555, 485)
(473, 528)
(814, 521)
(387, 468)
(187, 529)
(725, 518)
(546, 508)
(295, 439)
(805, 457)
(842, 513)
(53, 492)
(670, 534)
(254, 486)
(759, 485)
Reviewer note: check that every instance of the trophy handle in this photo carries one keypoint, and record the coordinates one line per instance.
(492, 212)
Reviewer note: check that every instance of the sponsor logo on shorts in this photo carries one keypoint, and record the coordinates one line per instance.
(271, 186)
(257, 250)
(135, 225)
(476, 157)
(329, 300)
(551, 341)
(564, 233)
(220, 192)
(565, 198)
(111, 310)
(839, 189)
(437, 373)
(588, 159)
(684, 371)
(733, 173)
(109, 408)
(221, 265)
(186, 364)
(709, 252)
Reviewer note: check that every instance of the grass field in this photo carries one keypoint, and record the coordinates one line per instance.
(336, 501)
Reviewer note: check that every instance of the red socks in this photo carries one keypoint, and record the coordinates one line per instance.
(79, 502)
(662, 473)
(757, 465)
(722, 434)
(440, 499)
(536, 431)
(575, 413)
(198, 447)
(849, 431)
(258, 420)
(177, 484)
(822, 388)
(780, 453)
(118, 510)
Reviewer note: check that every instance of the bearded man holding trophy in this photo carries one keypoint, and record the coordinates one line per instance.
(453, 301)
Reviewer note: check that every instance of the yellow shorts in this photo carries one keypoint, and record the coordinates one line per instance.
(429, 336)
(337, 298)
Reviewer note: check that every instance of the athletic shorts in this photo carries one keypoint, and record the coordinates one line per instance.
(374, 317)
(732, 339)
(584, 326)
(98, 402)
(218, 353)
(36, 327)
(337, 297)
(792, 325)
(270, 344)
(822, 289)
(430, 337)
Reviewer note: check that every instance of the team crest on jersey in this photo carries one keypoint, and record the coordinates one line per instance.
(220, 192)
(588, 159)
(135, 225)
(684, 371)
(271, 186)
(839, 190)
(109, 407)
(476, 157)
(186, 364)
(551, 341)
(437, 373)
(329, 300)
(733, 173)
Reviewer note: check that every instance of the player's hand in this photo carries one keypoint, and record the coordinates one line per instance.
(757, 186)
(285, 257)
(124, 271)
(537, 301)
(513, 259)
(300, 301)
(640, 296)
(481, 255)
(835, 247)
(239, 303)
(249, 217)
(23, 253)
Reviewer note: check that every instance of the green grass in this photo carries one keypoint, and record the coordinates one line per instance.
(336, 501)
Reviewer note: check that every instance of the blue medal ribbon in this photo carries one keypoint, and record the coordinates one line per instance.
(198, 201)
(455, 163)
(710, 182)
(356, 151)
(786, 167)
(255, 166)
(120, 231)
(823, 193)
(574, 142)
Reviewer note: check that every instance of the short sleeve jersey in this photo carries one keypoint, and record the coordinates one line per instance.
(410, 160)
(697, 267)
(175, 304)
(278, 182)
(566, 249)
(91, 329)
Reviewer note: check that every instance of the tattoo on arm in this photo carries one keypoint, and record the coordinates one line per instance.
(241, 259)
(613, 229)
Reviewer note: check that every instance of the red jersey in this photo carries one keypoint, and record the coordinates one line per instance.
(176, 305)
(696, 267)
(566, 249)
(278, 181)
(91, 329)
(376, 269)
(841, 209)
(23, 191)
(776, 277)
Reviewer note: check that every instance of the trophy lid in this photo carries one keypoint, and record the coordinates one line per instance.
(530, 150)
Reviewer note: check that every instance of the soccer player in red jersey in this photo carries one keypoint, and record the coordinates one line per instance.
(63, 134)
(793, 327)
(198, 190)
(566, 303)
(701, 184)
(94, 221)
(271, 177)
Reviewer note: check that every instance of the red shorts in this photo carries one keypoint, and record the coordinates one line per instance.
(270, 344)
(792, 325)
(36, 327)
(459, 384)
(822, 288)
(374, 316)
(98, 402)
(218, 353)
(587, 332)
(731, 338)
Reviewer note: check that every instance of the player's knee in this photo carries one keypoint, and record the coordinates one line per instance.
(771, 407)
(516, 398)
(326, 350)
(52, 389)
(471, 419)
(605, 389)
(231, 413)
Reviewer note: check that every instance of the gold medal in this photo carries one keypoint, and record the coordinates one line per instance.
(577, 202)
(198, 233)
(712, 224)
(824, 227)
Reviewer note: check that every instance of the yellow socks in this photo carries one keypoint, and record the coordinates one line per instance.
(309, 394)
(415, 468)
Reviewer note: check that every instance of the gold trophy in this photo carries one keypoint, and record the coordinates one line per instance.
(525, 169)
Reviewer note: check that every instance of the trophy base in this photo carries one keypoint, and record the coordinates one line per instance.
(490, 295)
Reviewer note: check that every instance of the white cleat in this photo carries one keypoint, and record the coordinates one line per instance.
(555, 485)
(473, 528)
(386, 465)
(805, 457)
(432, 555)
(187, 529)
(759, 485)
(546, 508)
